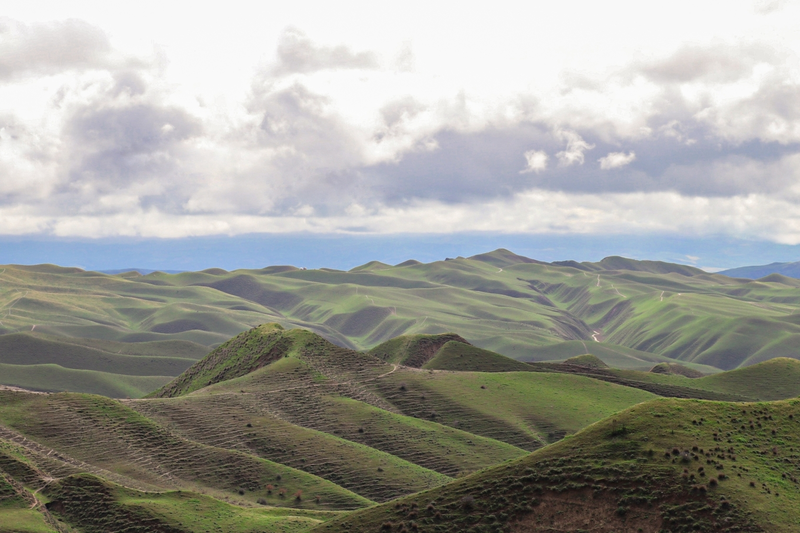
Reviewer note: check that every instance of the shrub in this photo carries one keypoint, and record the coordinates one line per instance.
(298, 495)
(262, 501)
(467, 502)
(270, 488)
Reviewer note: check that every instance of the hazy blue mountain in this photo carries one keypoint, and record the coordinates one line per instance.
(790, 270)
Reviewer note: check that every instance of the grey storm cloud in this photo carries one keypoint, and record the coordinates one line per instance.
(298, 54)
(318, 165)
(470, 167)
(50, 48)
(114, 146)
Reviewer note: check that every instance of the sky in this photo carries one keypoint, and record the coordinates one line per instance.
(655, 130)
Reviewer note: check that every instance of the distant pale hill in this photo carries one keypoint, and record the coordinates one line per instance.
(790, 270)
(119, 331)
(142, 271)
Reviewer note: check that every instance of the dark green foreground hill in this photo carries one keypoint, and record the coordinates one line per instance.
(665, 465)
(280, 430)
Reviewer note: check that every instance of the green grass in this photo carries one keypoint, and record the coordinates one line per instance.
(275, 411)
(92, 505)
(586, 360)
(458, 356)
(643, 313)
(56, 378)
(23, 521)
(649, 467)
(414, 350)
(219, 420)
(523, 408)
(139, 452)
(24, 349)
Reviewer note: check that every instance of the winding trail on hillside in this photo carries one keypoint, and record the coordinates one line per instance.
(389, 372)
(8, 309)
(662, 296)
(598, 280)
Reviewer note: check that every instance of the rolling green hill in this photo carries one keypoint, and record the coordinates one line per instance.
(281, 430)
(665, 465)
(632, 314)
(276, 419)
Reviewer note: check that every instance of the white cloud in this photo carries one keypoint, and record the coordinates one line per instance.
(573, 154)
(616, 160)
(293, 123)
(536, 161)
(535, 211)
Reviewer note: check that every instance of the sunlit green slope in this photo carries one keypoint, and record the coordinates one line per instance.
(666, 465)
(637, 312)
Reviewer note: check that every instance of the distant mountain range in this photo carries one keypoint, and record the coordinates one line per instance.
(790, 270)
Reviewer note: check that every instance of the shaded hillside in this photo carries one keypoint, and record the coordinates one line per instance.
(282, 419)
(639, 313)
(666, 465)
(239, 356)
(414, 350)
(459, 356)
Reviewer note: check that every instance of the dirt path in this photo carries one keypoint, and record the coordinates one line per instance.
(389, 372)
(662, 296)
(8, 309)
(598, 280)
(594, 335)
(20, 389)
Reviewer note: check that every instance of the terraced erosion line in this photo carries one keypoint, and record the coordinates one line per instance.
(39, 449)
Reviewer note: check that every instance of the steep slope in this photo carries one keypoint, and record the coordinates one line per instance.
(665, 465)
(105, 438)
(460, 356)
(239, 356)
(414, 350)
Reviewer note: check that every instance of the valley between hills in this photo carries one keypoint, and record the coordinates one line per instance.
(491, 393)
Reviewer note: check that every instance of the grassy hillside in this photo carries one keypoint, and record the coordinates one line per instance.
(665, 465)
(632, 314)
(776, 379)
(460, 356)
(277, 419)
(279, 430)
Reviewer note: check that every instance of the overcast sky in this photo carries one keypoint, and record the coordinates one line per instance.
(173, 120)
